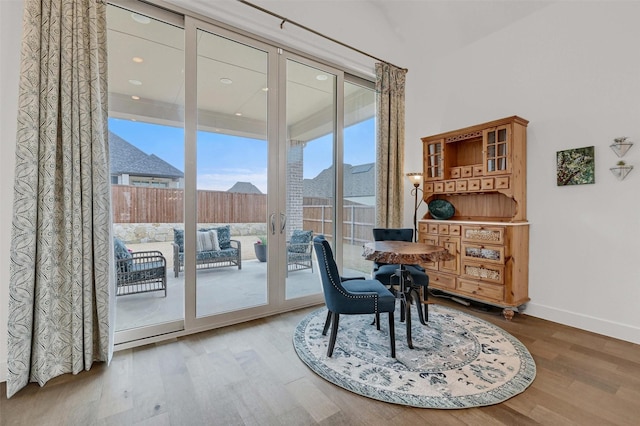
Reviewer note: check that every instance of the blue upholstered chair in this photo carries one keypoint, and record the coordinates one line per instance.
(351, 297)
(386, 273)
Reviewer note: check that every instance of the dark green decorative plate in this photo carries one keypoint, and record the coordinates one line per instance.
(441, 209)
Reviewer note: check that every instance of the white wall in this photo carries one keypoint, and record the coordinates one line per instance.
(571, 68)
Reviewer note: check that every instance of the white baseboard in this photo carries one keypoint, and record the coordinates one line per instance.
(585, 322)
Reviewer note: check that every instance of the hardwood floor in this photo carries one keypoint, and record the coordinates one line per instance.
(249, 374)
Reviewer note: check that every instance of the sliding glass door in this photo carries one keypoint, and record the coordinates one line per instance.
(227, 159)
(232, 176)
(146, 145)
(311, 139)
(359, 171)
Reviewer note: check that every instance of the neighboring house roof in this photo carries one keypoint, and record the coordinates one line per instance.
(244, 188)
(127, 159)
(359, 181)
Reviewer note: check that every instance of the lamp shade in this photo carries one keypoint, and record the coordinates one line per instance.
(415, 178)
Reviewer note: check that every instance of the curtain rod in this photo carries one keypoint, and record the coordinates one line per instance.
(285, 20)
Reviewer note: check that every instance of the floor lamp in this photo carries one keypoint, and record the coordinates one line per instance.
(416, 180)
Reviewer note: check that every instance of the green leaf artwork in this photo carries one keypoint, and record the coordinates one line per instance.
(576, 166)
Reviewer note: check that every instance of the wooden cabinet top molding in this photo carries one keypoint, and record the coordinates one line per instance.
(472, 131)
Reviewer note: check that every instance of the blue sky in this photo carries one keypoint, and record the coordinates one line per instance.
(224, 160)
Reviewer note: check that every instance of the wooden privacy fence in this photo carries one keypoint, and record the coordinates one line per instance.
(138, 204)
(357, 224)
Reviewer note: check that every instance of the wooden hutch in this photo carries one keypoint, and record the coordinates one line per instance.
(481, 170)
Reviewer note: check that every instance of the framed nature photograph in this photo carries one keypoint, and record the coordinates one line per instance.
(576, 166)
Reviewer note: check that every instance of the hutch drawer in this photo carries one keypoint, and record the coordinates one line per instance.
(483, 271)
(481, 290)
(442, 281)
(483, 234)
(483, 253)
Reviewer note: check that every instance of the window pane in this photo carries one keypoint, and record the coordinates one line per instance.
(359, 176)
(146, 144)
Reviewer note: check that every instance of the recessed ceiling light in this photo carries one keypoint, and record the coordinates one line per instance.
(135, 82)
(226, 81)
(239, 114)
(137, 59)
(141, 19)
(135, 98)
(321, 77)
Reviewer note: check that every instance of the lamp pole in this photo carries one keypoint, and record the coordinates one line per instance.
(416, 179)
(415, 211)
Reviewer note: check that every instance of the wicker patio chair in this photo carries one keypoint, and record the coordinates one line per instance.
(139, 272)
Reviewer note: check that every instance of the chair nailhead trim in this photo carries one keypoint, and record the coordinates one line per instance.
(339, 288)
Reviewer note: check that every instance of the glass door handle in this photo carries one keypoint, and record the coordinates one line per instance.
(272, 219)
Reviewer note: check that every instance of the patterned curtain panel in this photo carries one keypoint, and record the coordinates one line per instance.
(390, 83)
(59, 290)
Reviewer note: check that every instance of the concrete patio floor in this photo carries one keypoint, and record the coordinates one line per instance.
(221, 289)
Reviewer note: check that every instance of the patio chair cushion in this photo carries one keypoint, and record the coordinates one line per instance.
(146, 271)
(210, 255)
(299, 242)
(178, 238)
(207, 241)
(122, 253)
(224, 237)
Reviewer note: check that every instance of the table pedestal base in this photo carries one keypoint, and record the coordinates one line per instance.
(405, 294)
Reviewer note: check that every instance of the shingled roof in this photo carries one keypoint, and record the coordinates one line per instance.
(127, 159)
(359, 181)
(244, 188)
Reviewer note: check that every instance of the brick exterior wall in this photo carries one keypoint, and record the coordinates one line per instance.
(295, 157)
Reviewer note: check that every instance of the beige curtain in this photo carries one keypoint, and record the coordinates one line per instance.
(59, 290)
(390, 83)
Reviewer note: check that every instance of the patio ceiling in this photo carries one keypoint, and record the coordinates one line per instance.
(158, 82)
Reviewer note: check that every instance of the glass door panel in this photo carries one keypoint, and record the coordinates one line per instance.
(433, 160)
(309, 170)
(496, 142)
(231, 170)
(146, 144)
(359, 171)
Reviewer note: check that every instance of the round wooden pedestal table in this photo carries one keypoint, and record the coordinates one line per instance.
(405, 253)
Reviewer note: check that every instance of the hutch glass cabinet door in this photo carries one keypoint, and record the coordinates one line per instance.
(497, 150)
(433, 160)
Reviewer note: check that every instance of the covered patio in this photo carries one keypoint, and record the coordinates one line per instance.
(221, 289)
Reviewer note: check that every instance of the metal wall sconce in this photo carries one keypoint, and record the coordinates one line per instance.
(621, 170)
(620, 146)
(416, 180)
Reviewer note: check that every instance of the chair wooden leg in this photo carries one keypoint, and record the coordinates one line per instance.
(392, 335)
(326, 323)
(378, 321)
(334, 332)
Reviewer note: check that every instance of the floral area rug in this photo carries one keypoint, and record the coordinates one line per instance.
(458, 360)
